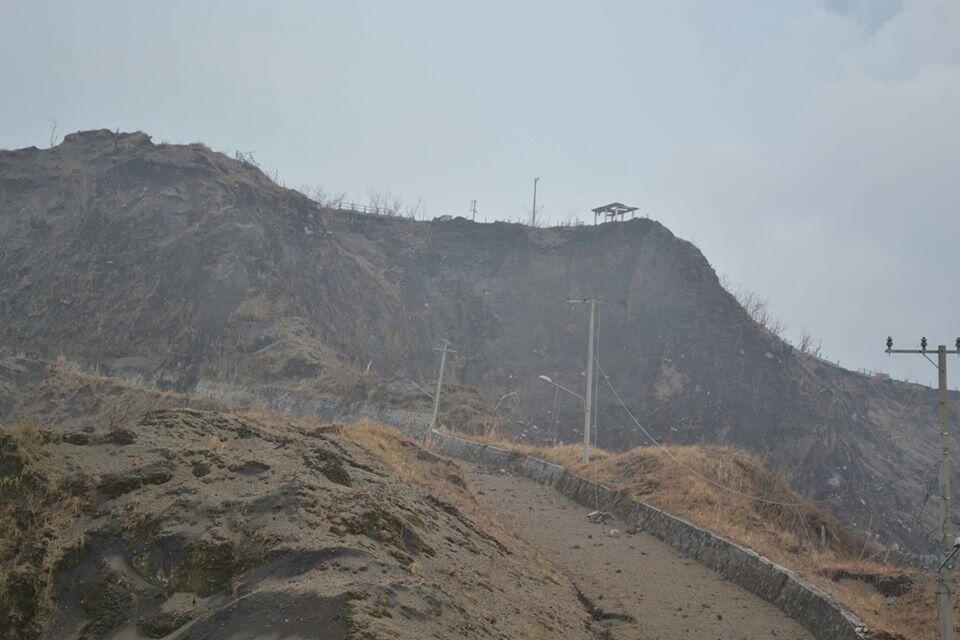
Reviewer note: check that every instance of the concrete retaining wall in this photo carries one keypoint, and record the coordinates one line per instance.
(799, 599)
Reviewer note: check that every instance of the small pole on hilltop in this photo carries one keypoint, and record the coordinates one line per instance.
(533, 212)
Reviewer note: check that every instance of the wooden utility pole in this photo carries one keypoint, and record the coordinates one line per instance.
(588, 396)
(473, 210)
(436, 397)
(948, 545)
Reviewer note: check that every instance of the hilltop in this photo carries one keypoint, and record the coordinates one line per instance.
(192, 271)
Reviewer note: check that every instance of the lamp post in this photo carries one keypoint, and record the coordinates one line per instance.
(548, 380)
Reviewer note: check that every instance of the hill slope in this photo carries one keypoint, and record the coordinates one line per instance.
(192, 524)
(96, 469)
(180, 264)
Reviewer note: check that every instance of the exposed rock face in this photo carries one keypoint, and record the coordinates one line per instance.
(124, 539)
(182, 264)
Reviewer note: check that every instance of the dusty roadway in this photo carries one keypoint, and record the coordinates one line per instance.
(668, 597)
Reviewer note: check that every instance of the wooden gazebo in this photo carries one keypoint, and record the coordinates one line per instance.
(613, 211)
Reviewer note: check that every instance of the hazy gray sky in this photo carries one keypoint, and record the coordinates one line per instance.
(810, 149)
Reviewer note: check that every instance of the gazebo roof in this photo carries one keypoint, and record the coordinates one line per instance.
(614, 208)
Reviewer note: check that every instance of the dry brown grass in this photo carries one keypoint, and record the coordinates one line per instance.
(342, 379)
(788, 535)
(72, 374)
(259, 306)
(443, 479)
(650, 475)
(38, 510)
(406, 459)
(413, 465)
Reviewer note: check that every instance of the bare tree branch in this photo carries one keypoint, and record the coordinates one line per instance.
(757, 307)
(54, 141)
(808, 344)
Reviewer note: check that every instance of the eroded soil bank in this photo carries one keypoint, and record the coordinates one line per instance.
(187, 524)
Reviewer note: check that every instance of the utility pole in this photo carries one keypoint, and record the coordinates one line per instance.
(588, 396)
(473, 210)
(948, 545)
(533, 212)
(436, 397)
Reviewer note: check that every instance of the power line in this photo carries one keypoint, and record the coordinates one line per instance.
(686, 466)
(556, 416)
(721, 486)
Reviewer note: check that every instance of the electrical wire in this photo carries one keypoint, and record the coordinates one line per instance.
(686, 466)
(719, 485)
(556, 417)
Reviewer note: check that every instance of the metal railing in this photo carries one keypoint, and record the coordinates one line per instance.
(365, 209)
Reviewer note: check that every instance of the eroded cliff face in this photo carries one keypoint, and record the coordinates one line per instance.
(185, 266)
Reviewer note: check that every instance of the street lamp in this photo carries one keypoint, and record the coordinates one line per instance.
(548, 380)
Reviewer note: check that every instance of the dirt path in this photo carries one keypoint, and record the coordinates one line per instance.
(665, 596)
